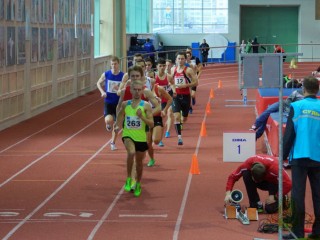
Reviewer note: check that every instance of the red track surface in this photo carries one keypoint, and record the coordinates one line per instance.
(60, 180)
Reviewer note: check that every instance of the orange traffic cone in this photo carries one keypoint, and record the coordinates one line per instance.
(194, 169)
(203, 132)
(219, 84)
(208, 108)
(211, 94)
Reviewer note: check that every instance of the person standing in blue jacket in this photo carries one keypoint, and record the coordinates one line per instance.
(301, 143)
(111, 80)
(148, 46)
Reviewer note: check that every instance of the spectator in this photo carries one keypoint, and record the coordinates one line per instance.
(256, 45)
(148, 46)
(134, 40)
(279, 49)
(316, 73)
(260, 124)
(248, 46)
(204, 47)
(161, 53)
(242, 48)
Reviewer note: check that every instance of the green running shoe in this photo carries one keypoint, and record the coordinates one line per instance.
(151, 162)
(127, 186)
(133, 184)
(137, 191)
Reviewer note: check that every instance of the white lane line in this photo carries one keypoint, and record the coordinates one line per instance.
(47, 153)
(27, 218)
(41, 130)
(239, 105)
(143, 215)
(183, 205)
(105, 216)
(186, 190)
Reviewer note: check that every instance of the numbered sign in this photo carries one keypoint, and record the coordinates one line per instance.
(238, 146)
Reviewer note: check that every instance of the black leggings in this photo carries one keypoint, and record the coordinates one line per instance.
(252, 186)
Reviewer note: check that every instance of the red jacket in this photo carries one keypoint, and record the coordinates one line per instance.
(278, 49)
(272, 169)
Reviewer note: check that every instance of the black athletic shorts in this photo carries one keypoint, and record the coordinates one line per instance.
(139, 146)
(157, 121)
(110, 109)
(181, 103)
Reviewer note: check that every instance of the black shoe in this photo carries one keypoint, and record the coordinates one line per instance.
(288, 236)
(258, 206)
(314, 236)
(286, 165)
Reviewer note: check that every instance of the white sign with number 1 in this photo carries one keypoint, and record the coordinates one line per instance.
(238, 146)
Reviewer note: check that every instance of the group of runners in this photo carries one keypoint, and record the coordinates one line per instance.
(140, 100)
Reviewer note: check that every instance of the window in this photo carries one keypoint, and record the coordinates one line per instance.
(138, 16)
(190, 16)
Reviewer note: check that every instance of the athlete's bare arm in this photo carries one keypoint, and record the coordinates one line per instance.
(166, 95)
(100, 84)
(153, 100)
(123, 83)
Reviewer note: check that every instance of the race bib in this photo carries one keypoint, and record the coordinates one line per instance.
(113, 86)
(179, 81)
(167, 88)
(133, 122)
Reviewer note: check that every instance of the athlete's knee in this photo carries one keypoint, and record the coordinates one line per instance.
(185, 119)
(156, 140)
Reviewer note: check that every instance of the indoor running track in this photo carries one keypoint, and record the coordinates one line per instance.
(59, 179)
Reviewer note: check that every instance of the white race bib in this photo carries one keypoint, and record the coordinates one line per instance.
(179, 81)
(133, 122)
(113, 86)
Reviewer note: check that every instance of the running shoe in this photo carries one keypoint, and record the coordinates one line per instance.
(260, 207)
(253, 128)
(161, 144)
(151, 162)
(108, 127)
(133, 185)
(167, 134)
(113, 147)
(180, 142)
(127, 186)
(137, 191)
(190, 110)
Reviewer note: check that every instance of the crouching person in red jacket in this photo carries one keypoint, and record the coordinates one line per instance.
(259, 172)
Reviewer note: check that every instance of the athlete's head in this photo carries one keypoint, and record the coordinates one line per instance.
(135, 73)
(141, 63)
(149, 64)
(115, 63)
(180, 58)
(136, 89)
(136, 57)
(161, 65)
